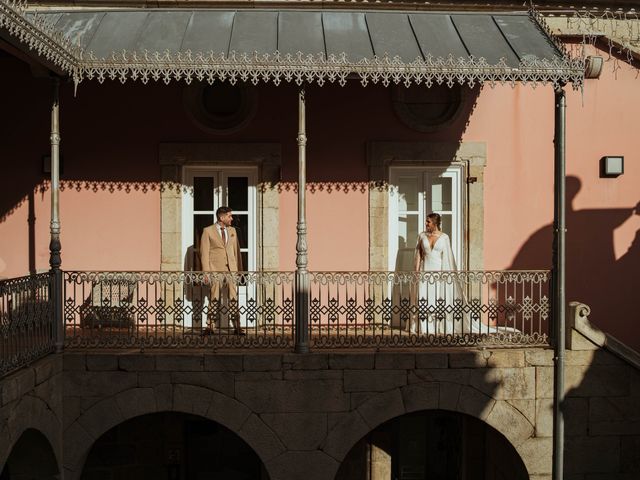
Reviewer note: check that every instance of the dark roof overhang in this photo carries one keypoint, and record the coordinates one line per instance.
(294, 45)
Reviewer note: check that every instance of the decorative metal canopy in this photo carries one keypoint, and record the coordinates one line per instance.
(295, 45)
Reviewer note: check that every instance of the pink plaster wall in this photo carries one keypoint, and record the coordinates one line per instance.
(603, 225)
(520, 164)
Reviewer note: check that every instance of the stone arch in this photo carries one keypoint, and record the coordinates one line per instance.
(20, 462)
(385, 406)
(30, 413)
(80, 436)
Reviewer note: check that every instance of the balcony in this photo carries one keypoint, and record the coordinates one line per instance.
(346, 310)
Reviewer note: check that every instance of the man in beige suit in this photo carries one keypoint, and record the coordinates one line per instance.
(220, 252)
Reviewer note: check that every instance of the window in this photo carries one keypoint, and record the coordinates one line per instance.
(208, 189)
(413, 194)
(221, 108)
(428, 109)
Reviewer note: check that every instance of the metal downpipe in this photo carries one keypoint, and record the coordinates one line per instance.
(302, 275)
(55, 259)
(559, 275)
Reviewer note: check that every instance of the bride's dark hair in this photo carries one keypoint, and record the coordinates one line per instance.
(435, 218)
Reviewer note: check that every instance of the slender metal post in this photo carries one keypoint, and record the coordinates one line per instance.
(559, 229)
(55, 260)
(302, 275)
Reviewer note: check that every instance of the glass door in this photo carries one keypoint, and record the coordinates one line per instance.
(206, 190)
(443, 196)
(413, 194)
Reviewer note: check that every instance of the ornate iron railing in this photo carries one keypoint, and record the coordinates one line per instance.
(27, 331)
(408, 309)
(178, 309)
(346, 309)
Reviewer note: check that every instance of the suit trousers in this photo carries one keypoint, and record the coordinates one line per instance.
(223, 303)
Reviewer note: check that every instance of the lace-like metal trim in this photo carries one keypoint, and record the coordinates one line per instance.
(277, 67)
(301, 68)
(39, 35)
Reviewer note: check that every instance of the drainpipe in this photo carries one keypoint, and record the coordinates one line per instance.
(558, 284)
(302, 275)
(55, 261)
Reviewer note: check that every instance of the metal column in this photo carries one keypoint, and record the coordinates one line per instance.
(559, 229)
(55, 260)
(302, 275)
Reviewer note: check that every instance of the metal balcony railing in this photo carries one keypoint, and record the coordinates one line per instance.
(178, 309)
(409, 309)
(345, 309)
(26, 321)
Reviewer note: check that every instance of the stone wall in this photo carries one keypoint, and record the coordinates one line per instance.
(31, 398)
(302, 414)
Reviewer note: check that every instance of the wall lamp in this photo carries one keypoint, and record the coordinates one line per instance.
(46, 165)
(612, 166)
(593, 66)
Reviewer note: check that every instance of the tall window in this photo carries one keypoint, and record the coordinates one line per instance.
(413, 194)
(207, 189)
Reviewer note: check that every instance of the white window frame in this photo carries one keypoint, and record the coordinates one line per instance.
(424, 175)
(220, 175)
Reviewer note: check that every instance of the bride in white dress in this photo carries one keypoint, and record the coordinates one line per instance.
(440, 294)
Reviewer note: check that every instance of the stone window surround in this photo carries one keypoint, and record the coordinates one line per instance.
(381, 155)
(267, 157)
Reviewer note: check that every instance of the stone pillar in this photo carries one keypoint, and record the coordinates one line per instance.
(380, 456)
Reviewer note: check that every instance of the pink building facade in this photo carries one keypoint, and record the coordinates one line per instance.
(112, 210)
(315, 361)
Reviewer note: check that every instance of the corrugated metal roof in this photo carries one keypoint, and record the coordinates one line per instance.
(358, 35)
(294, 45)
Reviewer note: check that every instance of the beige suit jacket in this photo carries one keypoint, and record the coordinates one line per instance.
(215, 255)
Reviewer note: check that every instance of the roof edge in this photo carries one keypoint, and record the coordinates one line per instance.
(34, 33)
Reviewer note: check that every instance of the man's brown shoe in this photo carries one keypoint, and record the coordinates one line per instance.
(206, 332)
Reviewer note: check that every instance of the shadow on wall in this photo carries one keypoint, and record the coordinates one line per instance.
(602, 420)
(594, 276)
(31, 457)
(41, 190)
(454, 423)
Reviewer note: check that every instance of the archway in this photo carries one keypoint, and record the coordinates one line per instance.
(31, 458)
(434, 445)
(174, 446)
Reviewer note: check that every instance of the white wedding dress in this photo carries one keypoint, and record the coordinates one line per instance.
(436, 293)
(441, 295)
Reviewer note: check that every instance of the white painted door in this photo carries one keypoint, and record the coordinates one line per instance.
(208, 189)
(413, 194)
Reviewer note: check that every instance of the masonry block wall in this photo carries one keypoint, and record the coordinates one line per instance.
(31, 400)
(302, 414)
